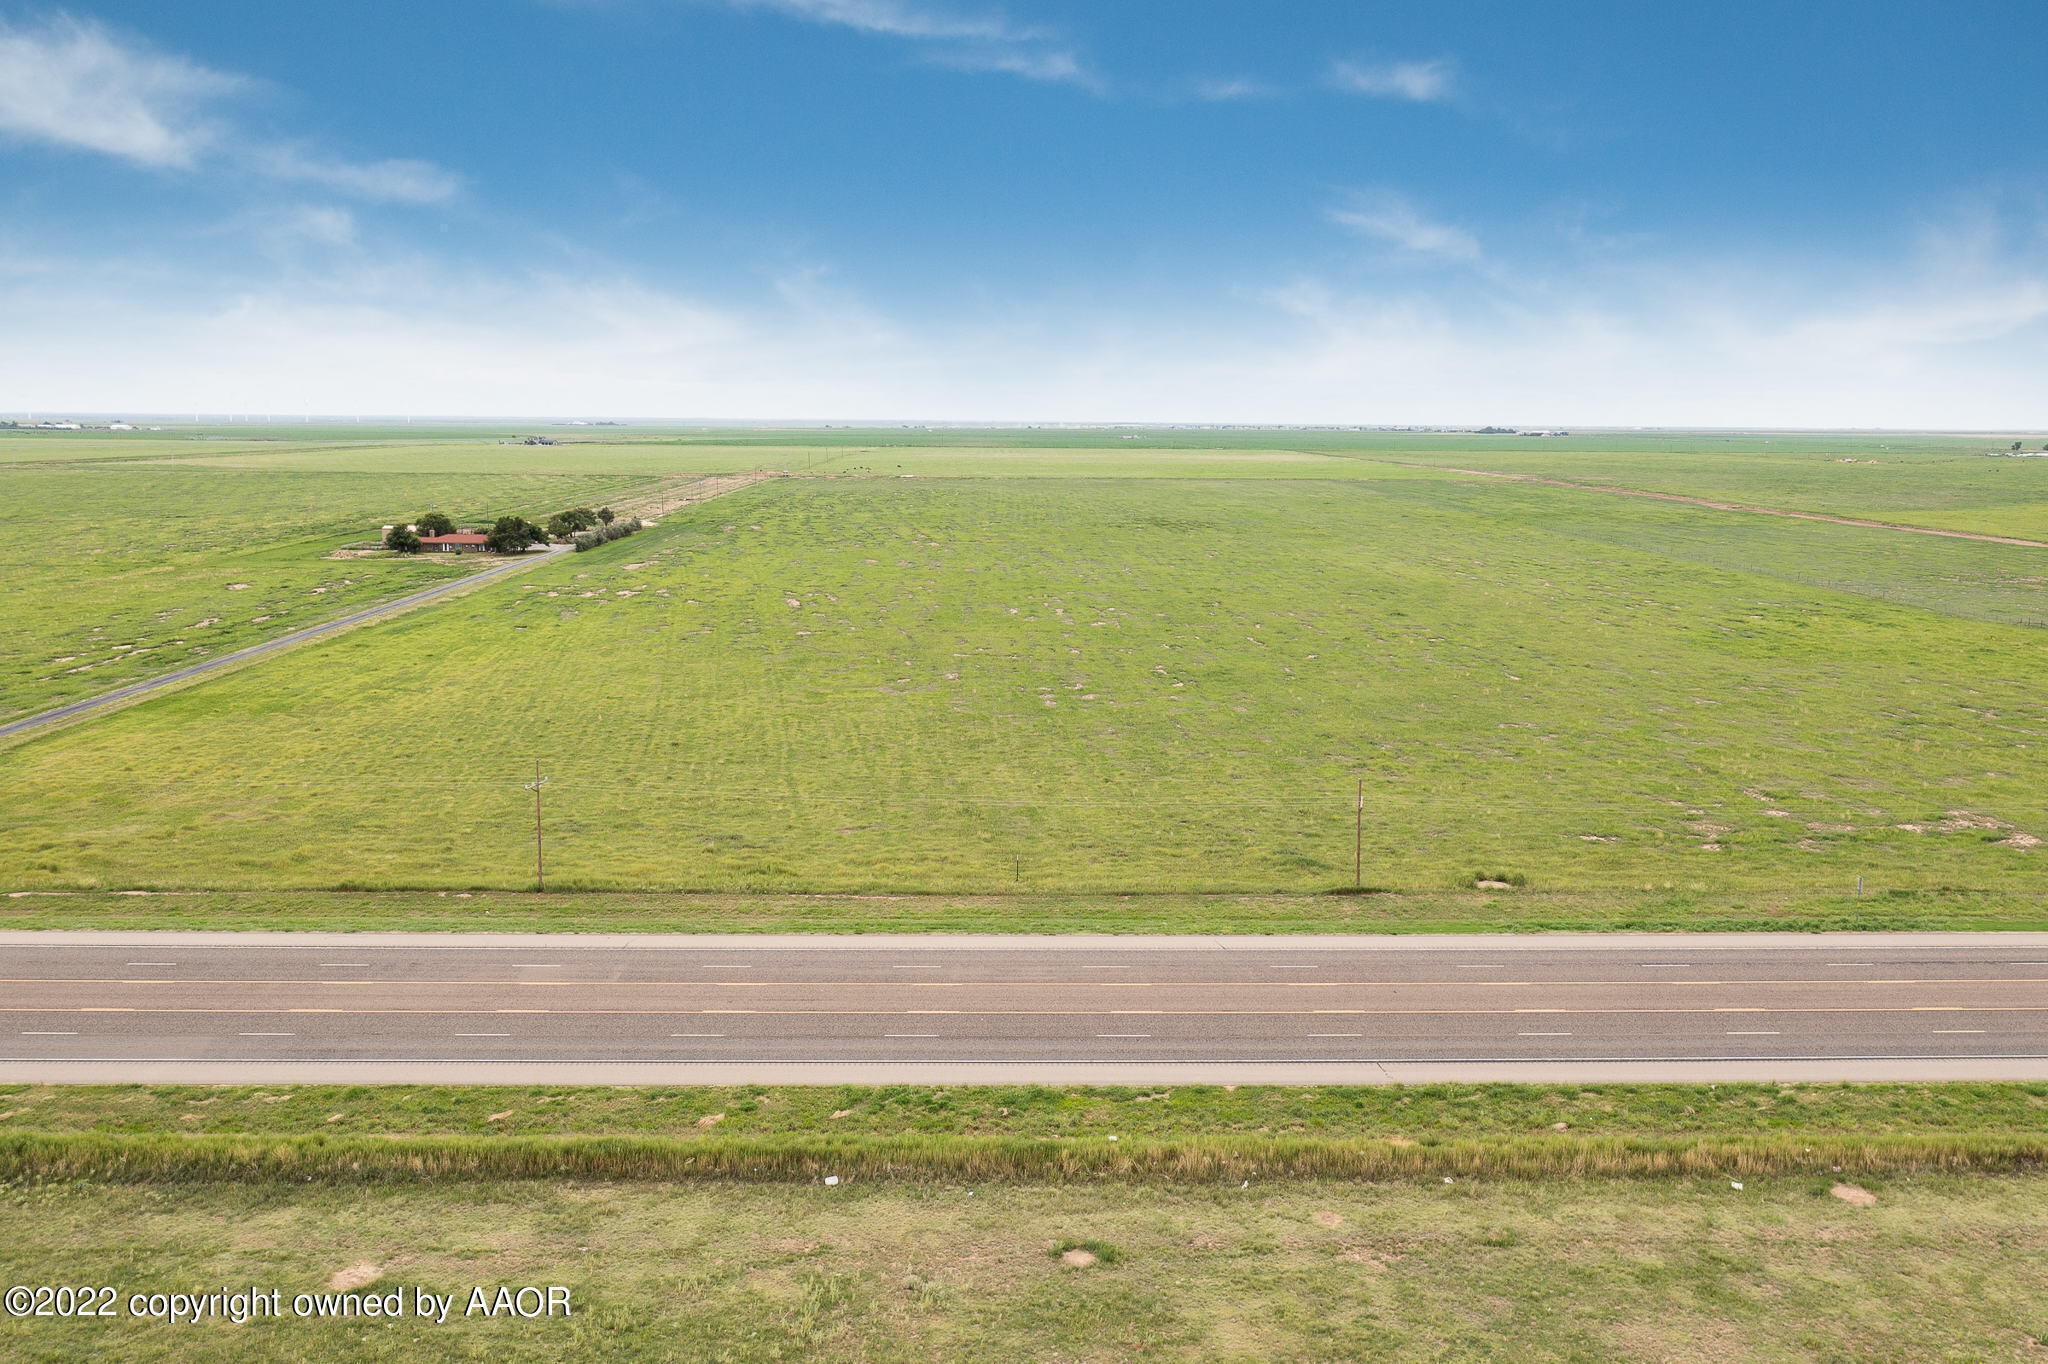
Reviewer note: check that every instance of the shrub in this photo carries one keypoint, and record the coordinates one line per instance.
(604, 535)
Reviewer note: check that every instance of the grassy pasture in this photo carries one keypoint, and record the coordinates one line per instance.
(614, 456)
(97, 447)
(1939, 1267)
(1945, 488)
(1696, 443)
(608, 458)
(135, 570)
(1156, 684)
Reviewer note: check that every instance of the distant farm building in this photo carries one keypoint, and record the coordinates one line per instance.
(462, 542)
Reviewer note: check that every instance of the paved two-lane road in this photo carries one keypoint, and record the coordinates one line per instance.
(562, 1007)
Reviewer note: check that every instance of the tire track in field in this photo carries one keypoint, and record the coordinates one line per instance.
(1717, 506)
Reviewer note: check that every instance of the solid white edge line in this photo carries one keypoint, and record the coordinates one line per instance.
(1031, 1061)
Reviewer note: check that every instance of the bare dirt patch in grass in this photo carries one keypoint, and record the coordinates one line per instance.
(361, 1274)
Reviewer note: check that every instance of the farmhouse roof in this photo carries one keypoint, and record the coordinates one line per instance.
(459, 538)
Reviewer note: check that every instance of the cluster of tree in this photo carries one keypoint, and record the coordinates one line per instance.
(2044, 445)
(406, 539)
(562, 525)
(603, 535)
(512, 534)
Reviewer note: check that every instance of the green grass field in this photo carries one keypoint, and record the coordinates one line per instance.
(1949, 486)
(1938, 1268)
(1761, 1221)
(1110, 684)
(1042, 666)
(136, 569)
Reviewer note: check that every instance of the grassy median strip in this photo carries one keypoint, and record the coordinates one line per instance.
(1656, 910)
(1013, 1133)
(32, 1156)
(1400, 1113)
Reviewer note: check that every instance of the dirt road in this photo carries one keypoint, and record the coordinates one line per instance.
(128, 693)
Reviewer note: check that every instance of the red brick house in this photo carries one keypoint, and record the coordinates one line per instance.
(463, 542)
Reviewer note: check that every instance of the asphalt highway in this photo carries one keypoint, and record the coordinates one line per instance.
(72, 1005)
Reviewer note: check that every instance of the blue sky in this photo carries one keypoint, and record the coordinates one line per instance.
(1808, 214)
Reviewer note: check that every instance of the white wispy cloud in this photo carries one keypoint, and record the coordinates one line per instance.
(76, 84)
(1424, 82)
(1930, 339)
(897, 18)
(1224, 89)
(69, 83)
(1392, 218)
(397, 181)
(323, 224)
(962, 39)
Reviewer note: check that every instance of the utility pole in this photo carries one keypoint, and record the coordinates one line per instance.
(540, 881)
(1358, 839)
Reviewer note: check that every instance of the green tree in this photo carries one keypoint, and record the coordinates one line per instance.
(562, 525)
(512, 534)
(435, 523)
(2015, 445)
(402, 540)
(607, 515)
